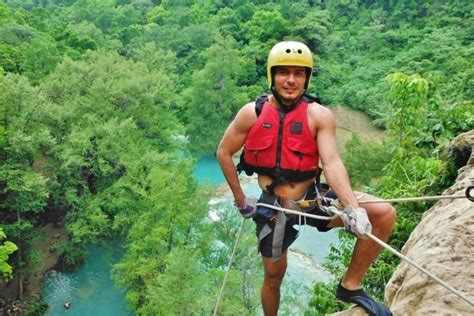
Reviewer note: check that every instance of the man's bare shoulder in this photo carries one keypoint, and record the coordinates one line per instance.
(320, 113)
(248, 108)
(246, 117)
(247, 112)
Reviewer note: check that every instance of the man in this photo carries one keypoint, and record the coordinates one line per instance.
(67, 305)
(285, 135)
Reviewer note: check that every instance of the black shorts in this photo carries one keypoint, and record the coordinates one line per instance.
(264, 213)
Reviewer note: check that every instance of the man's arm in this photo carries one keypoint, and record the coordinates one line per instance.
(334, 169)
(233, 139)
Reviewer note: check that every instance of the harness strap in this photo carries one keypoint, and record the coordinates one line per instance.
(271, 200)
(264, 232)
(278, 236)
(259, 104)
(278, 229)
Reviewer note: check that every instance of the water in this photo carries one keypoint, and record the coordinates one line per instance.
(208, 171)
(89, 289)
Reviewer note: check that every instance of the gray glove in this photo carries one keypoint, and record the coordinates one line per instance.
(249, 209)
(356, 221)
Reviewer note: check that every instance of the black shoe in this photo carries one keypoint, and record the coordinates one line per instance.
(359, 297)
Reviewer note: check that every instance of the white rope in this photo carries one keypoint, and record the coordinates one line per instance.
(228, 266)
(415, 199)
(381, 243)
(408, 199)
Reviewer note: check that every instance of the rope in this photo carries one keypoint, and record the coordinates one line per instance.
(381, 243)
(446, 285)
(228, 266)
(415, 199)
(469, 194)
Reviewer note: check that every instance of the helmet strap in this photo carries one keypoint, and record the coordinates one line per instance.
(286, 108)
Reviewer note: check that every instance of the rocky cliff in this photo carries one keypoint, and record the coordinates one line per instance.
(442, 243)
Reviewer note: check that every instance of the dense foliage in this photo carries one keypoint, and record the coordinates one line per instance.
(96, 95)
(6, 249)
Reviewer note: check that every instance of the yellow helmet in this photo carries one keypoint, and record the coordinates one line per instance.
(290, 53)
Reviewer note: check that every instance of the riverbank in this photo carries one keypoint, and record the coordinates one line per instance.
(45, 260)
(36, 271)
(44, 246)
(350, 122)
(11, 307)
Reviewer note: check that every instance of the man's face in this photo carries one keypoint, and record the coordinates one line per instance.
(289, 82)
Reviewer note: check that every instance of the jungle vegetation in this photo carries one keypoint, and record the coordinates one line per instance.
(95, 96)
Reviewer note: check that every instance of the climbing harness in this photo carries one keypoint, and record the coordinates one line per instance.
(241, 228)
(278, 225)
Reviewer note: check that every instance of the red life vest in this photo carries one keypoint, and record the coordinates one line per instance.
(281, 145)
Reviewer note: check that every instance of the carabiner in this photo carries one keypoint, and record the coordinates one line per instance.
(470, 193)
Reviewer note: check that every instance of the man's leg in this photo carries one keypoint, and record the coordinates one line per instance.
(382, 217)
(270, 293)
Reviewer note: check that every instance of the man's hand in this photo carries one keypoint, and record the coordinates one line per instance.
(356, 221)
(249, 207)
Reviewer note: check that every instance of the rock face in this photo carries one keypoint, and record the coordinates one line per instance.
(443, 244)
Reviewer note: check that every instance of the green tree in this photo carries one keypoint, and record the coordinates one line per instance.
(5, 14)
(265, 26)
(5, 251)
(364, 161)
(408, 106)
(215, 95)
(313, 29)
(158, 15)
(228, 23)
(11, 58)
(40, 58)
(180, 288)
